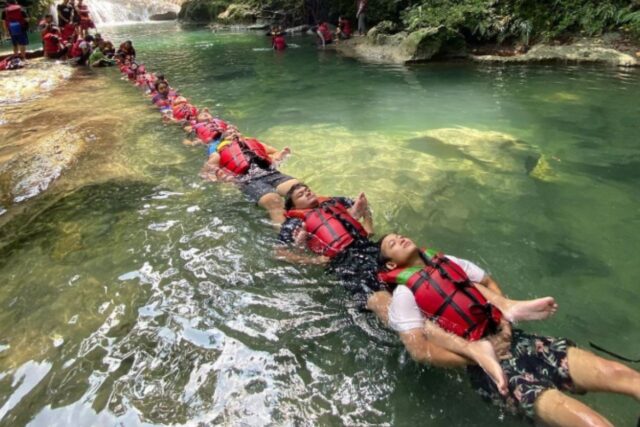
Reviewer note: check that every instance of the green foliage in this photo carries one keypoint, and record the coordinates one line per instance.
(202, 10)
(523, 20)
(478, 20)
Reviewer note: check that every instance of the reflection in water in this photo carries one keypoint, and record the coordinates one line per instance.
(133, 293)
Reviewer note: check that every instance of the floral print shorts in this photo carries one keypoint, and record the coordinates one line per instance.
(536, 364)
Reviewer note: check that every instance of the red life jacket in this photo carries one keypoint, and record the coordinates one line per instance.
(345, 27)
(184, 111)
(67, 32)
(208, 131)
(326, 34)
(51, 44)
(330, 226)
(444, 292)
(13, 13)
(279, 42)
(76, 52)
(238, 156)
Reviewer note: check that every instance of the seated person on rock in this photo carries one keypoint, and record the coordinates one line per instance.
(53, 46)
(328, 231)
(343, 31)
(252, 165)
(81, 50)
(98, 58)
(535, 370)
(324, 34)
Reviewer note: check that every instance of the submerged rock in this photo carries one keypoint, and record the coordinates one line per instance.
(39, 164)
(36, 80)
(583, 51)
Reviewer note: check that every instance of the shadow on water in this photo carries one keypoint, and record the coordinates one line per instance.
(97, 204)
(564, 260)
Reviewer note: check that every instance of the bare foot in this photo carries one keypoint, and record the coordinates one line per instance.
(536, 309)
(482, 353)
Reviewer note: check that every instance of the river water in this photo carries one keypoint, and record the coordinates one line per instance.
(133, 293)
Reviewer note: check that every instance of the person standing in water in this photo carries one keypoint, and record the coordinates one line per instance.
(14, 22)
(86, 23)
(65, 13)
(278, 41)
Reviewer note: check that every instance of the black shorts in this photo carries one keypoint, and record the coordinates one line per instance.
(357, 267)
(257, 185)
(536, 364)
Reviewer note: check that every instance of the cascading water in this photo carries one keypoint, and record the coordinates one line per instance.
(114, 12)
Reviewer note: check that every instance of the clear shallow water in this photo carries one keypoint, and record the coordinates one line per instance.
(147, 296)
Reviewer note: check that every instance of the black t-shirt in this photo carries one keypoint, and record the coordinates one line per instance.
(65, 13)
(290, 225)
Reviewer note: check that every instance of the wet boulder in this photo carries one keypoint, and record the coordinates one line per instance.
(382, 45)
(201, 11)
(167, 16)
(238, 14)
(426, 43)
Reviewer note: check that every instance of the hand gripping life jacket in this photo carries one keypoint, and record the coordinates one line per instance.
(238, 156)
(444, 292)
(330, 226)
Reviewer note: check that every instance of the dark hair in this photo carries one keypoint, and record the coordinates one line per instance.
(288, 199)
(160, 77)
(48, 15)
(161, 82)
(88, 38)
(382, 260)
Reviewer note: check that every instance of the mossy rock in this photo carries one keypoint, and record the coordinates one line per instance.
(382, 28)
(202, 11)
(424, 44)
(238, 14)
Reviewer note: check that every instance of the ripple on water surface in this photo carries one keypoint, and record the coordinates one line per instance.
(150, 297)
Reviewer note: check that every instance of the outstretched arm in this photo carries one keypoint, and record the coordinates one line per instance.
(288, 255)
(424, 351)
(211, 170)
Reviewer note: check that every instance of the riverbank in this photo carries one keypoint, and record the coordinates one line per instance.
(60, 130)
(437, 44)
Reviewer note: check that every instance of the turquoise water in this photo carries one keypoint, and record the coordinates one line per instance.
(147, 296)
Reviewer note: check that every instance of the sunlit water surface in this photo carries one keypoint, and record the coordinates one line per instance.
(134, 293)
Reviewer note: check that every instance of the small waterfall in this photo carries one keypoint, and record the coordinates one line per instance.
(122, 11)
